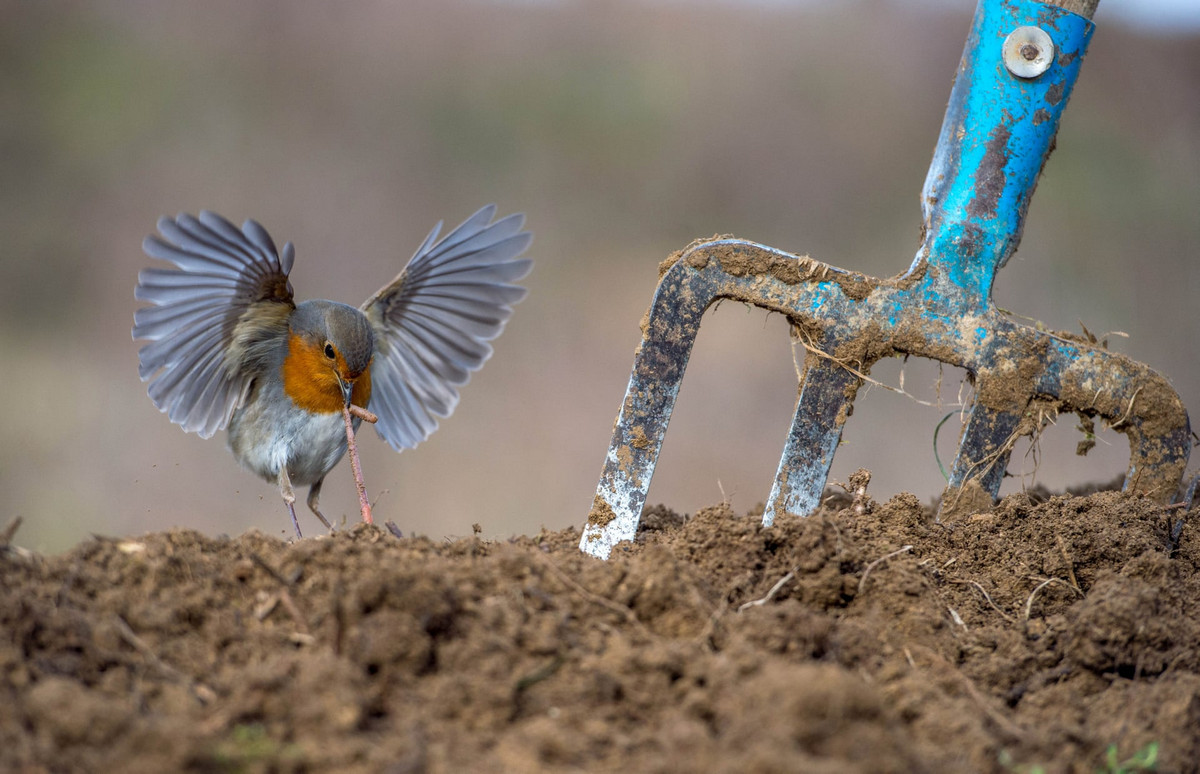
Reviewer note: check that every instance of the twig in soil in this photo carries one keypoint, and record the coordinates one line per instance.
(544, 672)
(289, 604)
(364, 505)
(202, 692)
(710, 627)
(285, 596)
(770, 594)
(7, 535)
(269, 570)
(595, 599)
(266, 605)
(856, 487)
(862, 582)
(294, 612)
(6, 546)
(1042, 585)
(1004, 724)
(527, 681)
(1062, 548)
(986, 596)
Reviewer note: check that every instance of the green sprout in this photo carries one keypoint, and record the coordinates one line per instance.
(1145, 759)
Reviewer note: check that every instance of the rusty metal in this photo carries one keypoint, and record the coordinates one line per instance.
(998, 131)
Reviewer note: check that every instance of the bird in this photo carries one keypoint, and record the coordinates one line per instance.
(230, 348)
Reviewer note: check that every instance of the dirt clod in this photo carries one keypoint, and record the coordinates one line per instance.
(1020, 636)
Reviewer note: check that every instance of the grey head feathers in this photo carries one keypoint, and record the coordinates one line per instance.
(345, 326)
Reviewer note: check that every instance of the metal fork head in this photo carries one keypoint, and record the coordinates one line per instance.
(1020, 62)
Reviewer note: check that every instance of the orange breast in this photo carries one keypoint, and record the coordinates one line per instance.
(310, 381)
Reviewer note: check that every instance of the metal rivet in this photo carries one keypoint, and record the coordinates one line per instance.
(1028, 52)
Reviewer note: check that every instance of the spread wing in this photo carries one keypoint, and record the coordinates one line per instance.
(434, 321)
(211, 318)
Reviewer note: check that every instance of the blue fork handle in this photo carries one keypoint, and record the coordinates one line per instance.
(998, 131)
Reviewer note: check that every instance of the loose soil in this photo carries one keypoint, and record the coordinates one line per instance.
(866, 638)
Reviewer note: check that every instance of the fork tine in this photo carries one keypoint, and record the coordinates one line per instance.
(821, 413)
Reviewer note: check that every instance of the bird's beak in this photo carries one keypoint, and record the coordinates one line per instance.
(347, 386)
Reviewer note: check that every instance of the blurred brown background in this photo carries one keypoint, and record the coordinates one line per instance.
(624, 130)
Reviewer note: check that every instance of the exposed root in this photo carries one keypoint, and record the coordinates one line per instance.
(805, 341)
(1046, 414)
(987, 597)
(769, 595)
(1128, 410)
(202, 692)
(725, 501)
(862, 582)
(7, 535)
(622, 610)
(1002, 723)
(1042, 585)
(284, 597)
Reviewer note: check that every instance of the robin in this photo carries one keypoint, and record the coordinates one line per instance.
(231, 349)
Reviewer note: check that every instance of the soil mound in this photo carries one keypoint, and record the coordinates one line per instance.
(865, 638)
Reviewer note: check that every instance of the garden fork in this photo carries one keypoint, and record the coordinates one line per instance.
(1021, 60)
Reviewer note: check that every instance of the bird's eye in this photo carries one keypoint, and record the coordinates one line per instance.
(329, 353)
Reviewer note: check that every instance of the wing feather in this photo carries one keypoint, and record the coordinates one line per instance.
(227, 298)
(434, 321)
(186, 241)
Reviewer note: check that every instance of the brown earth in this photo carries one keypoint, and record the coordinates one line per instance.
(867, 638)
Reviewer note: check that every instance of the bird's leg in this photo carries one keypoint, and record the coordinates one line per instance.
(364, 505)
(314, 499)
(289, 497)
